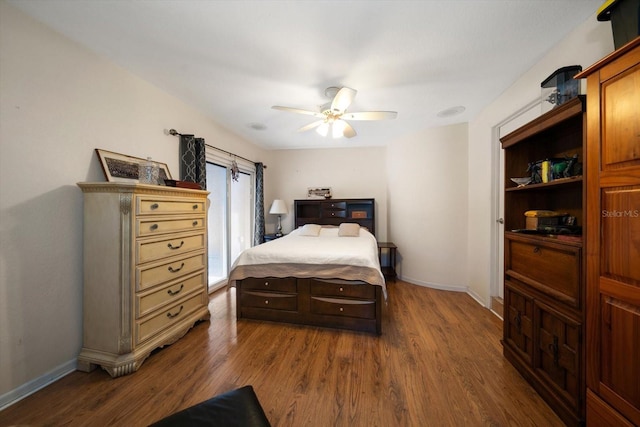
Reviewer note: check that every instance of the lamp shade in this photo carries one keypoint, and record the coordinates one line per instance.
(278, 207)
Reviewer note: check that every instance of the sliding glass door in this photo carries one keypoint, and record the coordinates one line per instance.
(230, 215)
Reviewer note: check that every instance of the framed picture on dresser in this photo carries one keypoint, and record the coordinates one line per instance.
(124, 168)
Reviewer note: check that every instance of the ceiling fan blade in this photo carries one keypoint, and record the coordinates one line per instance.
(343, 99)
(371, 115)
(348, 131)
(311, 126)
(299, 111)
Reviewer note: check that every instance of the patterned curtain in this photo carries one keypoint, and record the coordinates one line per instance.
(258, 234)
(193, 163)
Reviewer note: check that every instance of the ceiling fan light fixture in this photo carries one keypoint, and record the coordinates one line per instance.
(338, 128)
(323, 129)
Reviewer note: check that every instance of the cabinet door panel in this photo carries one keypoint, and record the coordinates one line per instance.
(518, 322)
(558, 356)
(620, 354)
(620, 253)
(621, 127)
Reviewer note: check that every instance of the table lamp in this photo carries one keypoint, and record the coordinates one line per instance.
(278, 207)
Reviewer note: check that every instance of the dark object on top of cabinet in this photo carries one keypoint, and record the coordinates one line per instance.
(544, 295)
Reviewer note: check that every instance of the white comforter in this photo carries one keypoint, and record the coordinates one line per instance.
(326, 256)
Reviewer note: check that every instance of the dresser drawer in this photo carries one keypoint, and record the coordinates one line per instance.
(343, 307)
(269, 300)
(152, 250)
(152, 226)
(342, 290)
(550, 268)
(155, 274)
(150, 326)
(158, 206)
(270, 284)
(150, 301)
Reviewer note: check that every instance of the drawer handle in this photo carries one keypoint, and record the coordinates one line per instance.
(195, 207)
(172, 293)
(171, 316)
(266, 301)
(536, 250)
(195, 223)
(341, 309)
(266, 283)
(171, 269)
(341, 289)
(518, 322)
(175, 247)
(153, 227)
(154, 206)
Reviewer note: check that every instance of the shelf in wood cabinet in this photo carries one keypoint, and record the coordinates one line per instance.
(555, 183)
(546, 238)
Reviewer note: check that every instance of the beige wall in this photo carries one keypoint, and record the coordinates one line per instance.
(58, 102)
(428, 212)
(350, 172)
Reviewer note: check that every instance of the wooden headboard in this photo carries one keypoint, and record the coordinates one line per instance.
(335, 212)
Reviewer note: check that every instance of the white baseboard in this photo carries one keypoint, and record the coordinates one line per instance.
(36, 384)
(454, 288)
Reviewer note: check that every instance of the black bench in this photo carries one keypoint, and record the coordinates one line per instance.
(235, 408)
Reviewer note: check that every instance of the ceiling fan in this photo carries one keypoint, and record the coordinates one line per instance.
(333, 115)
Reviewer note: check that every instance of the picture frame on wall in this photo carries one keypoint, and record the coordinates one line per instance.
(124, 168)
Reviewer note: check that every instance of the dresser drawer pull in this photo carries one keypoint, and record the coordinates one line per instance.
(175, 247)
(172, 293)
(171, 316)
(155, 206)
(536, 250)
(266, 283)
(195, 223)
(341, 309)
(153, 227)
(175, 270)
(341, 289)
(266, 301)
(195, 207)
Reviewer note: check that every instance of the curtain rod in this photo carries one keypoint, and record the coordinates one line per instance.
(175, 133)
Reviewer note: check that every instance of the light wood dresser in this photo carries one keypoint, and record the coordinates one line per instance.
(145, 271)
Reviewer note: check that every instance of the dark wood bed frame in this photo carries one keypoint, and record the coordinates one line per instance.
(333, 303)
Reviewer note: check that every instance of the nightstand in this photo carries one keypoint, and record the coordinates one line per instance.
(270, 237)
(388, 268)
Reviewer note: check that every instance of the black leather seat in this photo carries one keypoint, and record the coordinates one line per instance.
(235, 408)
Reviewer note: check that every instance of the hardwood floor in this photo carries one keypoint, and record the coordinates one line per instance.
(438, 363)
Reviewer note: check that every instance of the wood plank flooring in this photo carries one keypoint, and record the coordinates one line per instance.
(438, 363)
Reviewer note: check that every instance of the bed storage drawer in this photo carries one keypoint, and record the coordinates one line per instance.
(343, 307)
(270, 284)
(321, 288)
(269, 300)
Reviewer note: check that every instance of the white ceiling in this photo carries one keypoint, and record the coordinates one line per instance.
(233, 60)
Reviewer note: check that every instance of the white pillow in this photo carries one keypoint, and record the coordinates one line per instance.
(312, 230)
(348, 229)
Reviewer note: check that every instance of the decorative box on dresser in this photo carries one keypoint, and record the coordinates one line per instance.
(145, 271)
(613, 238)
(544, 298)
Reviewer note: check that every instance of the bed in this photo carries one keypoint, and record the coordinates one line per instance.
(320, 275)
